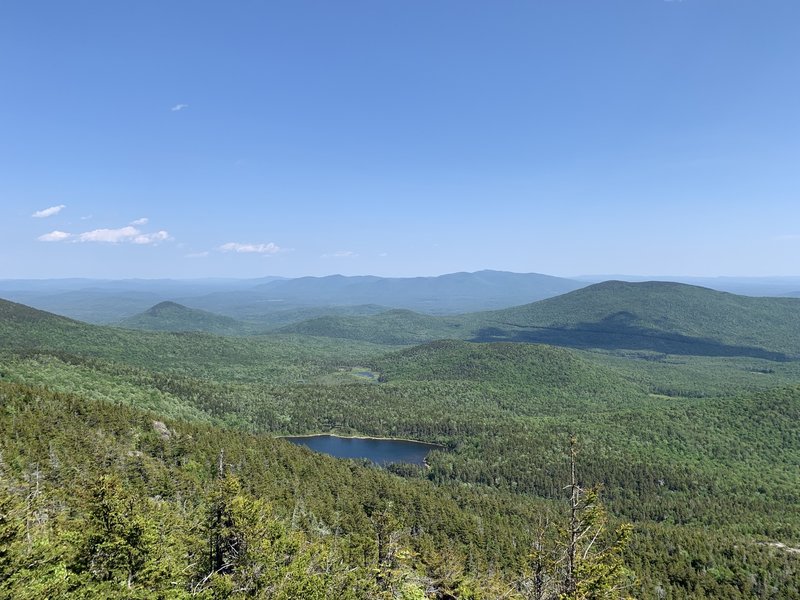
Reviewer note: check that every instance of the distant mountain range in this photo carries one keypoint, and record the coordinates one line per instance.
(453, 293)
(269, 301)
(652, 316)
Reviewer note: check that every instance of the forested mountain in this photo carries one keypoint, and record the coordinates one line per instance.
(652, 316)
(700, 454)
(534, 365)
(262, 315)
(657, 315)
(270, 301)
(31, 332)
(743, 286)
(108, 301)
(389, 327)
(171, 316)
(452, 293)
(276, 301)
(97, 500)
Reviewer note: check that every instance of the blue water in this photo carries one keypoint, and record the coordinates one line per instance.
(381, 452)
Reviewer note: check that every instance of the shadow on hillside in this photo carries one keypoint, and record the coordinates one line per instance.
(617, 335)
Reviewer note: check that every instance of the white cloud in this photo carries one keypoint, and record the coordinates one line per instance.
(269, 248)
(111, 236)
(142, 221)
(179, 107)
(126, 234)
(48, 212)
(197, 254)
(341, 254)
(151, 238)
(54, 236)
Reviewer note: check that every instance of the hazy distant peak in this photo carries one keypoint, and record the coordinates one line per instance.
(167, 305)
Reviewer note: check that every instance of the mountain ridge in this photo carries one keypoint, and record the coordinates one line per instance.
(656, 316)
(172, 316)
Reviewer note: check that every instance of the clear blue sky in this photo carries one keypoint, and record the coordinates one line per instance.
(399, 137)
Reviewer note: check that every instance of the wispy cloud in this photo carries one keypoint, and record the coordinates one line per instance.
(142, 221)
(151, 238)
(197, 254)
(269, 248)
(48, 212)
(54, 236)
(341, 254)
(109, 236)
(789, 237)
(128, 235)
(179, 107)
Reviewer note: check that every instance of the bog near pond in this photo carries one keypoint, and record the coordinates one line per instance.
(380, 451)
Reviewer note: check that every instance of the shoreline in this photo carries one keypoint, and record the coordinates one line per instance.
(361, 437)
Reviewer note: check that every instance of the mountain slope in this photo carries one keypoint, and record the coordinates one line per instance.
(662, 316)
(536, 368)
(125, 507)
(171, 316)
(394, 327)
(654, 316)
(27, 331)
(109, 301)
(710, 482)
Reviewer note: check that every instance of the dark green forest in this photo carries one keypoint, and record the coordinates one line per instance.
(140, 464)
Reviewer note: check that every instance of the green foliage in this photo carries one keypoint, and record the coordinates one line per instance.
(661, 316)
(277, 358)
(116, 505)
(652, 316)
(171, 316)
(393, 327)
(701, 453)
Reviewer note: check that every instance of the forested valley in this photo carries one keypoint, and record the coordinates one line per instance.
(145, 464)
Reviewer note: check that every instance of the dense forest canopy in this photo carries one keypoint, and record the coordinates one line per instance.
(143, 463)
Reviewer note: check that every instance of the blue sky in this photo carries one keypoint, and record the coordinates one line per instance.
(190, 139)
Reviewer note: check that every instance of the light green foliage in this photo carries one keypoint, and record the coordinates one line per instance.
(651, 316)
(171, 316)
(700, 453)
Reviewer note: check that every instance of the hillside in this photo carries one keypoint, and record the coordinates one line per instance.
(109, 301)
(534, 366)
(126, 506)
(659, 317)
(171, 316)
(706, 479)
(399, 327)
(28, 332)
(265, 315)
(662, 316)
(18, 323)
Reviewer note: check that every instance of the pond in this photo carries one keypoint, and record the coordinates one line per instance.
(379, 451)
